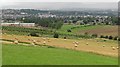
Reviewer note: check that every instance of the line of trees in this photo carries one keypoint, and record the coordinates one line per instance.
(54, 23)
(111, 20)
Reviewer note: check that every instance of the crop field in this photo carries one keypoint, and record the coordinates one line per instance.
(29, 55)
(97, 45)
(97, 29)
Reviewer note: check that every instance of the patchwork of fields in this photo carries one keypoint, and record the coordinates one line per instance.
(48, 50)
(94, 45)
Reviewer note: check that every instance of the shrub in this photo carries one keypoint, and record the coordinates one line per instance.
(94, 35)
(69, 30)
(101, 36)
(86, 33)
(110, 37)
(64, 37)
(51, 47)
(56, 35)
(34, 34)
(115, 38)
(118, 39)
(106, 37)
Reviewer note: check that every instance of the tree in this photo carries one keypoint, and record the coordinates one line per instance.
(94, 35)
(101, 36)
(86, 33)
(85, 21)
(45, 22)
(34, 34)
(118, 39)
(106, 37)
(56, 35)
(115, 20)
(115, 38)
(69, 30)
(110, 37)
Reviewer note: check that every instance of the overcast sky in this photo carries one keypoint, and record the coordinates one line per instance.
(59, 0)
(55, 4)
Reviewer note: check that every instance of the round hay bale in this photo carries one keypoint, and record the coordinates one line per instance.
(113, 48)
(49, 40)
(103, 45)
(117, 47)
(75, 45)
(34, 41)
(32, 44)
(1, 33)
(44, 42)
(15, 42)
(86, 43)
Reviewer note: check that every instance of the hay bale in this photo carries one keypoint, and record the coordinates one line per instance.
(103, 45)
(44, 42)
(117, 47)
(65, 39)
(75, 45)
(86, 43)
(34, 41)
(32, 44)
(15, 42)
(49, 40)
(113, 48)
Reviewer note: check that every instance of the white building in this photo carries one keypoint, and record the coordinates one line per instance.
(27, 24)
(9, 24)
(18, 24)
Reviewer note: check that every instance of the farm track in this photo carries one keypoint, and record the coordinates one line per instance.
(94, 45)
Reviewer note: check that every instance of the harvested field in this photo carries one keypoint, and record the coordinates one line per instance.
(94, 45)
(105, 30)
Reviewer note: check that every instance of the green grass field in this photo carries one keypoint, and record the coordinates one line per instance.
(29, 55)
(77, 28)
(96, 29)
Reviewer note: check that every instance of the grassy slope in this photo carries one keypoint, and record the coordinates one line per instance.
(16, 55)
(82, 29)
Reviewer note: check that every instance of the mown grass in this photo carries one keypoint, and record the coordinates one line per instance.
(29, 55)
